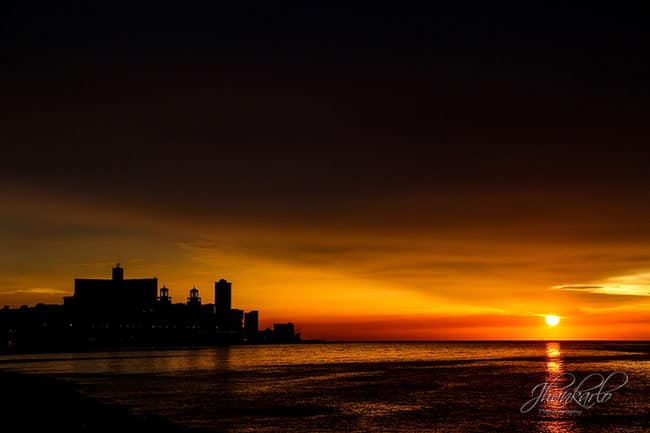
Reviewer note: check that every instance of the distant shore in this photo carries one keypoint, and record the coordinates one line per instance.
(641, 346)
(42, 403)
(134, 348)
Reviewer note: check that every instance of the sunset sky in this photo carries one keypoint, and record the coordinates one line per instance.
(367, 173)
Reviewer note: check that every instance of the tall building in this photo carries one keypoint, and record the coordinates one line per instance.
(223, 304)
(222, 296)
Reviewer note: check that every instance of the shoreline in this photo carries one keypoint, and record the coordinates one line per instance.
(43, 403)
(99, 349)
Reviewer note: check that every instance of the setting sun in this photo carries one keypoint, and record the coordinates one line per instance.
(552, 320)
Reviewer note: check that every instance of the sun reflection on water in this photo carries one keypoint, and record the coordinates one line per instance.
(552, 409)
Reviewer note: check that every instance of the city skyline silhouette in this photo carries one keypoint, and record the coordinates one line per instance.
(120, 312)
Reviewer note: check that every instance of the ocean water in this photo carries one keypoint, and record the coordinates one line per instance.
(372, 387)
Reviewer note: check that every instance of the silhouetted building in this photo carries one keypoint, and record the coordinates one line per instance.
(124, 312)
(115, 296)
(164, 299)
(207, 310)
(236, 320)
(223, 304)
(251, 323)
(194, 300)
(265, 336)
(118, 273)
(222, 296)
(284, 332)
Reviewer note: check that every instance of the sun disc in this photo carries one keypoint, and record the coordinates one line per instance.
(552, 320)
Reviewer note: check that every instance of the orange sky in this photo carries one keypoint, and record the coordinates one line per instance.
(343, 281)
(365, 172)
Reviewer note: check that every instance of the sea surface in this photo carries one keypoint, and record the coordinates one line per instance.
(372, 387)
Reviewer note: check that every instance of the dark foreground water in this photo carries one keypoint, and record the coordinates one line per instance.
(373, 387)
